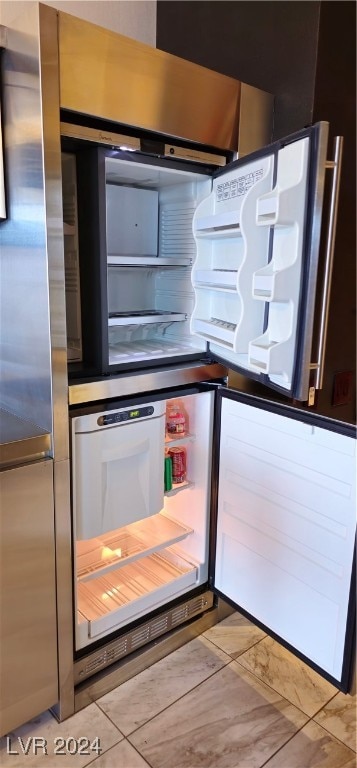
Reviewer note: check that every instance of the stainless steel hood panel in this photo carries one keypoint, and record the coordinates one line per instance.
(133, 84)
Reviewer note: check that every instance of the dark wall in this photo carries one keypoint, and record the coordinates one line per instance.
(271, 45)
(303, 53)
(335, 101)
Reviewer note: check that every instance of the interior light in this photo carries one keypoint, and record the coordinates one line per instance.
(106, 552)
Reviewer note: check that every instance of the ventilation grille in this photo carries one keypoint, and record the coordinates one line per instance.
(108, 656)
(184, 612)
(139, 637)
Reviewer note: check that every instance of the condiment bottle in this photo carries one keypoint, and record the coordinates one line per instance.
(175, 421)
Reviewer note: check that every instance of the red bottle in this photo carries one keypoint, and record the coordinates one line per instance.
(175, 421)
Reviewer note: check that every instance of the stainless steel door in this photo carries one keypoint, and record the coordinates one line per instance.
(28, 633)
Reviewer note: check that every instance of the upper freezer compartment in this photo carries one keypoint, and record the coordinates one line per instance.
(149, 213)
(149, 251)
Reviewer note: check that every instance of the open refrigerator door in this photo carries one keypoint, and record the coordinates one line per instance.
(257, 239)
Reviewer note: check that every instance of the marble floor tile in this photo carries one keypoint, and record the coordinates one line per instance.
(234, 635)
(284, 672)
(231, 720)
(339, 717)
(77, 734)
(313, 747)
(142, 697)
(123, 755)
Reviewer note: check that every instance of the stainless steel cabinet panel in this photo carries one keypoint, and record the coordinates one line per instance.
(28, 646)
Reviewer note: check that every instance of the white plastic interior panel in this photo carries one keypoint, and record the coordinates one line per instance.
(125, 573)
(286, 528)
(132, 220)
(278, 282)
(117, 470)
(230, 249)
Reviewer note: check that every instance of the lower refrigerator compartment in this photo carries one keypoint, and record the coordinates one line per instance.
(108, 602)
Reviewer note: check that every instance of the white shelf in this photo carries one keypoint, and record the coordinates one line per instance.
(220, 279)
(177, 487)
(218, 233)
(187, 437)
(103, 554)
(216, 329)
(110, 601)
(222, 224)
(130, 352)
(145, 317)
(147, 261)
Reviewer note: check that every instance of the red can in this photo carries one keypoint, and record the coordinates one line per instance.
(178, 457)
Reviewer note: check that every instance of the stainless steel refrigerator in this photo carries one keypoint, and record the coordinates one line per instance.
(171, 261)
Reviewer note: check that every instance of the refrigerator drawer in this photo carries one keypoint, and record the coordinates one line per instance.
(131, 591)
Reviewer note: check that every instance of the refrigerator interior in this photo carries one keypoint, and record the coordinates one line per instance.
(150, 250)
(123, 574)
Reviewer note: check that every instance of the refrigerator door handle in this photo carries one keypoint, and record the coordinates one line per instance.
(335, 165)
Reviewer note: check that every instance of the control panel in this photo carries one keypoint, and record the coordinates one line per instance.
(129, 415)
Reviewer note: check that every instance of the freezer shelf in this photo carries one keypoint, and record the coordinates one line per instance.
(214, 328)
(109, 601)
(148, 261)
(103, 554)
(127, 352)
(226, 224)
(143, 317)
(222, 279)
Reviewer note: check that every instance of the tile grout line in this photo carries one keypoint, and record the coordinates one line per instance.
(269, 685)
(239, 654)
(284, 745)
(139, 753)
(354, 751)
(232, 659)
(226, 664)
(112, 745)
(176, 700)
(115, 745)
